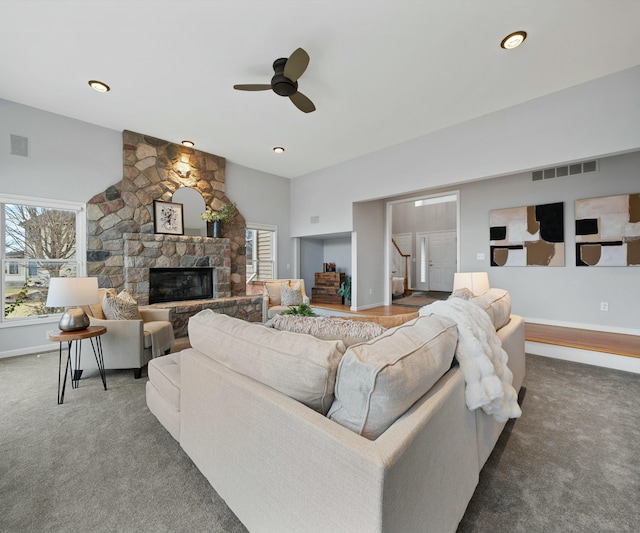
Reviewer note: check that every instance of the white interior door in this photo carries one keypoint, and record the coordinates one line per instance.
(442, 258)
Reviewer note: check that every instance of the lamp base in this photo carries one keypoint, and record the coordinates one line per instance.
(74, 319)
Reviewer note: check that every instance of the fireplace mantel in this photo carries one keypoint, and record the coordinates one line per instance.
(143, 251)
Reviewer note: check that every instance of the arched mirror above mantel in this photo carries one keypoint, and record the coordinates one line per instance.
(193, 206)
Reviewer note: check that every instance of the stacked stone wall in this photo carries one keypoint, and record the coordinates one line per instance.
(154, 169)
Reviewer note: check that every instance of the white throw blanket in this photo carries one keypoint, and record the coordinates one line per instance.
(481, 357)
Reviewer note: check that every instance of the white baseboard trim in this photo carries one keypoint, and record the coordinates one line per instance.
(588, 357)
(29, 350)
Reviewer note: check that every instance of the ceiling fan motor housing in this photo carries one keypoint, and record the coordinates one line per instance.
(279, 83)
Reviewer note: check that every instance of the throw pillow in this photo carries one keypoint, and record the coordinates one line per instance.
(380, 379)
(289, 296)
(120, 306)
(325, 328)
(463, 293)
(273, 290)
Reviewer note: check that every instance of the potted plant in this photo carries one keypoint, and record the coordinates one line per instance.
(299, 310)
(215, 218)
(345, 290)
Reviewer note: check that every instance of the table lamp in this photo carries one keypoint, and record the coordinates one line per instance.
(72, 293)
(476, 282)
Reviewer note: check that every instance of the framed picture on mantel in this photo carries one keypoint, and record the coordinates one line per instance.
(168, 218)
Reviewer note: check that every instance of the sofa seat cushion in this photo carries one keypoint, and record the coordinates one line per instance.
(164, 373)
(328, 328)
(379, 380)
(497, 304)
(299, 366)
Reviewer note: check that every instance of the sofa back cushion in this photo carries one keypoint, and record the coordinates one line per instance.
(379, 380)
(327, 328)
(497, 304)
(299, 366)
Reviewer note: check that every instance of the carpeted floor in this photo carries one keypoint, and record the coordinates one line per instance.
(101, 462)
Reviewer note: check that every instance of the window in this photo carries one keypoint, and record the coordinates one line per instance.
(39, 239)
(261, 252)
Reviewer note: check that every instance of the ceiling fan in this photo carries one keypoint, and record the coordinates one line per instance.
(285, 80)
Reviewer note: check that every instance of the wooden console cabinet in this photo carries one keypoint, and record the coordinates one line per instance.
(325, 289)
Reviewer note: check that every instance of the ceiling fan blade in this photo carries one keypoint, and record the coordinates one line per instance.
(302, 102)
(253, 87)
(296, 64)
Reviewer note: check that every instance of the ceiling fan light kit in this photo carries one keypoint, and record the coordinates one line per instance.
(513, 40)
(285, 80)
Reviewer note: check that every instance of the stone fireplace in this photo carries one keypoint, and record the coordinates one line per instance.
(122, 246)
(144, 251)
(154, 169)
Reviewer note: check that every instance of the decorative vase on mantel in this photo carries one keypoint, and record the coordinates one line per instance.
(214, 229)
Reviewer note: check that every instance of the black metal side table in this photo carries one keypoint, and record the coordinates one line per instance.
(92, 333)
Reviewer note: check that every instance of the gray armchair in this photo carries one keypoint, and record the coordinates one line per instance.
(131, 343)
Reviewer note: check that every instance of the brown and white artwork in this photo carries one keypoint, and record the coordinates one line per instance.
(527, 236)
(608, 231)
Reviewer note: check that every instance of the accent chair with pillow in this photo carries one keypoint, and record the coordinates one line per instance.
(134, 335)
(280, 294)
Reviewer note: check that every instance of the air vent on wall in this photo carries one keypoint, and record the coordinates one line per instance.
(565, 170)
(19, 145)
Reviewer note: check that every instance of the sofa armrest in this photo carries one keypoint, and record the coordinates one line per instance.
(149, 314)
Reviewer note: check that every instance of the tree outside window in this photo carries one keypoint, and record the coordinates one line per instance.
(39, 243)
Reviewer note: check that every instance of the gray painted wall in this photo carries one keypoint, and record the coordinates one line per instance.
(568, 294)
(264, 198)
(595, 119)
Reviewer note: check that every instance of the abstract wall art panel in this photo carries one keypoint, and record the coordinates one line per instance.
(608, 231)
(527, 236)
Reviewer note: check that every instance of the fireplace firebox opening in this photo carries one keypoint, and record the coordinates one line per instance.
(176, 284)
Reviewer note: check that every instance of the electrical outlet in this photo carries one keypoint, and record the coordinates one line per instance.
(604, 306)
(480, 256)
(288, 266)
(50, 332)
(370, 291)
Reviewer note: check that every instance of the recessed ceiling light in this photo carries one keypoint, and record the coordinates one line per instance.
(99, 86)
(513, 39)
(190, 144)
(278, 149)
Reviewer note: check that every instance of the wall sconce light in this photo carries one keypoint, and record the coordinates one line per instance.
(72, 293)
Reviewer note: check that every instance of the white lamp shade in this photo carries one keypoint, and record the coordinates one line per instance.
(71, 292)
(476, 282)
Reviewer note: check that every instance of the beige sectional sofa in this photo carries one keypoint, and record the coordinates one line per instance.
(255, 409)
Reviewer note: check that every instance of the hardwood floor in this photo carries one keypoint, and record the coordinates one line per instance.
(599, 341)
(584, 339)
(390, 310)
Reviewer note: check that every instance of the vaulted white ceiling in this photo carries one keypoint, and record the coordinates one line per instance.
(381, 72)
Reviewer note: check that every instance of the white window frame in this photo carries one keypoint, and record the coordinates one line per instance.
(81, 248)
(274, 242)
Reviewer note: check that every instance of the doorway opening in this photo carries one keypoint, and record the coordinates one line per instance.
(423, 235)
